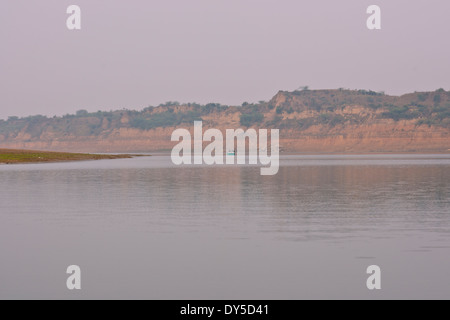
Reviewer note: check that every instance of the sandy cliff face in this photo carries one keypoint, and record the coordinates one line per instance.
(380, 137)
(373, 138)
(307, 123)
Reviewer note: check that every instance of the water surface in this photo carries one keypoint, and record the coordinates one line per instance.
(143, 228)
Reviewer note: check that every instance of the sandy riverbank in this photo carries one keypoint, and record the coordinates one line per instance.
(12, 156)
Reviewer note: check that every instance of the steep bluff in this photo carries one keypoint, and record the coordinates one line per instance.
(319, 121)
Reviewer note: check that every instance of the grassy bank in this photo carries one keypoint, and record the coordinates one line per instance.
(9, 156)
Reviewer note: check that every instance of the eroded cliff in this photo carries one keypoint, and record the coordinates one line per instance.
(318, 121)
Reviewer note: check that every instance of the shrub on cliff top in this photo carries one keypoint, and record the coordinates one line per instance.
(164, 119)
(250, 119)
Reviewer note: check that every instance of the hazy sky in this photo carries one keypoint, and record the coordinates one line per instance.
(135, 53)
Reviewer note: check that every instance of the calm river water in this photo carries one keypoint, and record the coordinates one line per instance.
(143, 228)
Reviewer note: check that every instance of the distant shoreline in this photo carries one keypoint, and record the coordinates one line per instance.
(19, 156)
(15, 156)
(309, 121)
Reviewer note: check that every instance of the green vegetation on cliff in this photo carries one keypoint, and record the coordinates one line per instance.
(297, 110)
(164, 119)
